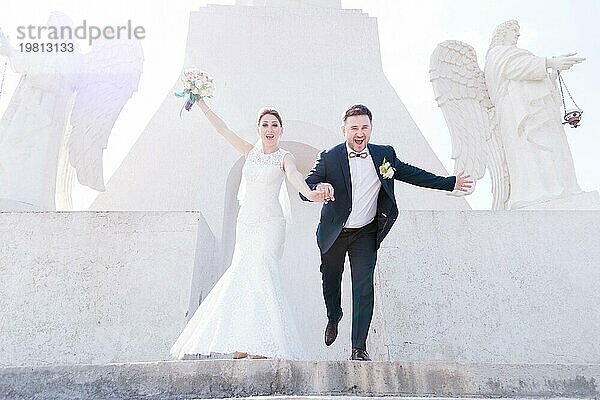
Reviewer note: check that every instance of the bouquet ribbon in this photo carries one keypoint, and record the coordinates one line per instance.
(192, 98)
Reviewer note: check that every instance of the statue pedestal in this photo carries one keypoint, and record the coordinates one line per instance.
(580, 201)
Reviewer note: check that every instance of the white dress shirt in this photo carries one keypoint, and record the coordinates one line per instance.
(365, 189)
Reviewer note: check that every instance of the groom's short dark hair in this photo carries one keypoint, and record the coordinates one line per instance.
(358, 109)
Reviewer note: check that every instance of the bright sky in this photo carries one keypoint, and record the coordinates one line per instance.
(408, 30)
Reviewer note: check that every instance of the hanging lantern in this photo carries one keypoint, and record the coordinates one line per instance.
(572, 116)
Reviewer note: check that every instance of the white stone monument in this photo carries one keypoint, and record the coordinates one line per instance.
(507, 118)
(179, 164)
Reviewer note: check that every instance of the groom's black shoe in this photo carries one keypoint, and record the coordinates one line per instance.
(331, 331)
(359, 355)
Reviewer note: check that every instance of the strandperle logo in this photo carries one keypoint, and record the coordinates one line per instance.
(83, 31)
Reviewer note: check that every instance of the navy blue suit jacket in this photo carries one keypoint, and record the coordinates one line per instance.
(332, 166)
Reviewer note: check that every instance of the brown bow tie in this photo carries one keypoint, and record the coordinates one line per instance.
(353, 154)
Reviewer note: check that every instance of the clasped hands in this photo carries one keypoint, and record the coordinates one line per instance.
(323, 193)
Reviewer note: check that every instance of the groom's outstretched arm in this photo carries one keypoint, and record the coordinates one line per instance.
(419, 177)
(316, 175)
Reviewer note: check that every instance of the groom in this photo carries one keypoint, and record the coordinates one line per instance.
(359, 213)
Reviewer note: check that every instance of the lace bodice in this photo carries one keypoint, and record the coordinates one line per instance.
(262, 176)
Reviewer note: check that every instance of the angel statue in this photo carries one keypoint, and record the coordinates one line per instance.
(60, 117)
(506, 118)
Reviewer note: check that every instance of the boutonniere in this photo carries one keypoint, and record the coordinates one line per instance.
(386, 170)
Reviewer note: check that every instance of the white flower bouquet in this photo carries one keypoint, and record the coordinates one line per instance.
(197, 84)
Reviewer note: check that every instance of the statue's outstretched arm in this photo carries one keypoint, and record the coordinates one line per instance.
(563, 62)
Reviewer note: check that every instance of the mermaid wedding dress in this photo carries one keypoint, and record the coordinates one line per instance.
(246, 311)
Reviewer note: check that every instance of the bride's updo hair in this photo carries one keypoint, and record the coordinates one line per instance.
(269, 111)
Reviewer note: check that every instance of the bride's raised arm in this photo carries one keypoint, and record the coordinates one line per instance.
(221, 127)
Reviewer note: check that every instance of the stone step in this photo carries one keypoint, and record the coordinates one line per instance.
(170, 380)
(378, 398)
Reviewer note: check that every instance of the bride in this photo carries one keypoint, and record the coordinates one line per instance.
(246, 313)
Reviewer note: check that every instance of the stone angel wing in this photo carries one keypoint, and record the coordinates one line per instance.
(461, 93)
(109, 76)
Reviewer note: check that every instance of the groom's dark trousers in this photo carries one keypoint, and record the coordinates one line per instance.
(360, 244)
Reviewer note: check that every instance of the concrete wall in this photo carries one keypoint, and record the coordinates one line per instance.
(97, 287)
(452, 286)
(504, 287)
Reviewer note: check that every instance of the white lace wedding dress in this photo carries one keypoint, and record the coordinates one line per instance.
(246, 311)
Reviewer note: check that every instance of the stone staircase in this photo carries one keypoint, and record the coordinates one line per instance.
(170, 380)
